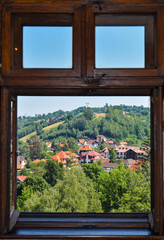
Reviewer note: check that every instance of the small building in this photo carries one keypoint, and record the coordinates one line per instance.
(93, 143)
(109, 166)
(83, 150)
(101, 138)
(60, 157)
(90, 157)
(105, 153)
(21, 162)
(81, 142)
(49, 144)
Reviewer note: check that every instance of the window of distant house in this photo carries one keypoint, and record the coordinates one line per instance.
(83, 154)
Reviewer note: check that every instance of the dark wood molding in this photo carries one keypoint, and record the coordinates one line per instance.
(82, 80)
(5, 160)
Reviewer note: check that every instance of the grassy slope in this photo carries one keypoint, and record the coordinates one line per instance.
(23, 139)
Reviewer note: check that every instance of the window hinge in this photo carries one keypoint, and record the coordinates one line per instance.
(151, 219)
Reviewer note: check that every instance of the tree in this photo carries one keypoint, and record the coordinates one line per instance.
(93, 171)
(137, 197)
(113, 154)
(35, 147)
(88, 114)
(38, 169)
(28, 187)
(36, 183)
(75, 193)
(39, 129)
(53, 172)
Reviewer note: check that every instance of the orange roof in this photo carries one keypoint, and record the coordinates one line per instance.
(81, 141)
(38, 160)
(134, 167)
(68, 152)
(20, 166)
(61, 145)
(85, 148)
(60, 155)
(123, 143)
(105, 150)
(74, 155)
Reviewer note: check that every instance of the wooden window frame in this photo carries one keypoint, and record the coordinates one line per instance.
(16, 81)
(107, 17)
(15, 62)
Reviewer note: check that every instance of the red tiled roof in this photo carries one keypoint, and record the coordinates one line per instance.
(91, 141)
(74, 155)
(21, 178)
(85, 148)
(134, 167)
(109, 142)
(105, 150)
(60, 155)
(92, 154)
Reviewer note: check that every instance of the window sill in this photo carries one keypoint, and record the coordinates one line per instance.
(76, 227)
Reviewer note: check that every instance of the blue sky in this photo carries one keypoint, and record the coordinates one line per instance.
(120, 47)
(51, 47)
(47, 47)
(38, 105)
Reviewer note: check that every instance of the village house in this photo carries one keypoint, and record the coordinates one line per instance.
(135, 166)
(90, 157)
(129, 162)
(120, 151)
(101, 139)
(21, 162)
(105, 153)
(136, 153)
(83, 150)
(60, 157)
(81, 142)
(109, 142)
(63, 157)
(49, 144)
(109, 166)
(130, 152)
(93, 143)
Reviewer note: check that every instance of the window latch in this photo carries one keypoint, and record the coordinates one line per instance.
(95, 80)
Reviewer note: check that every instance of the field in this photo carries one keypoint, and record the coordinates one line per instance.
(24, 139)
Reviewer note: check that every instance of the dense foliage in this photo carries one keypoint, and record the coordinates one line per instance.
(90, 188)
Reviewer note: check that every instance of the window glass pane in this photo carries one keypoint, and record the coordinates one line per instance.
(47, 47)
(120, 47)
(83, 154)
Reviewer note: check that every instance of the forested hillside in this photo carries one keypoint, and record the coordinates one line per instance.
(128, 123)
